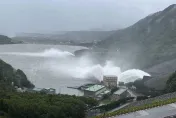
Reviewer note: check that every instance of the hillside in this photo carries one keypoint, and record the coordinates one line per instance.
(161, 71)
(8, 75)
(149, 43)
(7, 40)
(152, 40)
(67, 37)
(36, 105)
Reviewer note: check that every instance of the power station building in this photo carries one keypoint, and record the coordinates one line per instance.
(110, 81)
(119, 94)
(94, 91)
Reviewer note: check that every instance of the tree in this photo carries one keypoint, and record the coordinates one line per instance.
(171, 83)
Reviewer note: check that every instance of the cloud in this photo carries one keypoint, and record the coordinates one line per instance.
(56, 15)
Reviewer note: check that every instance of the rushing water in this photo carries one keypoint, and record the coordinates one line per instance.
(56, 66)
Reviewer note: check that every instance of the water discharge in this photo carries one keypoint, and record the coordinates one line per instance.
(46, 53)
(63, 63)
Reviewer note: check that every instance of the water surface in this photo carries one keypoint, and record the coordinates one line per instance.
(32, 59)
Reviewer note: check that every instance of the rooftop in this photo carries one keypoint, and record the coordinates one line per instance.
(120, 91)
(109, 76)
(105, 92)
(38, 89)
(95, 88)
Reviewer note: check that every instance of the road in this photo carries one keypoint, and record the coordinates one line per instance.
(157, 112)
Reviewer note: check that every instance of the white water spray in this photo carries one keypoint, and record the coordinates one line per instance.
(59, 64)
(46, 53)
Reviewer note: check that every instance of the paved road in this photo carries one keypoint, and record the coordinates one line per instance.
(158, 112)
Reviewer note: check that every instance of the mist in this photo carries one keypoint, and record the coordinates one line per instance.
(46, 16)
(64, 64)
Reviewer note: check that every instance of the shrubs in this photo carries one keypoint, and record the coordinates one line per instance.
(114, 104)
(30, 105)
(171, 83)
(8, 75)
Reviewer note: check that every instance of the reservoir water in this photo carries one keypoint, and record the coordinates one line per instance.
(56, 66)
(37, 61)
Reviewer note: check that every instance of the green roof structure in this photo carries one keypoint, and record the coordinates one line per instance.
(95, 88)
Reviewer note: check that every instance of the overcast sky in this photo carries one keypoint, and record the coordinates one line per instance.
(57, 15)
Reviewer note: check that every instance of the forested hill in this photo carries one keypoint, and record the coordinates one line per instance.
(8, 75)
(67, 37)
(7, 40)
(148, 42)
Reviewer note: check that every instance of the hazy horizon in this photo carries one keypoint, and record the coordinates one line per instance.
(45, 16)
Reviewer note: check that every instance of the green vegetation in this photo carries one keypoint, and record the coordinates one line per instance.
(36, 105)
(113, 105)
(89, 101)
(30, 105)
(171, 83)
(3, 115)
(137, 108)
(8, 75)
(5, 40)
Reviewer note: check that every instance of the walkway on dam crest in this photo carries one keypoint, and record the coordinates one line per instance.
(157, 112)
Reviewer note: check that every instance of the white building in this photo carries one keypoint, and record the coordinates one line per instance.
(110, 81)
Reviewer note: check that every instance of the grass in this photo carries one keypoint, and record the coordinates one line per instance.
(137, 108)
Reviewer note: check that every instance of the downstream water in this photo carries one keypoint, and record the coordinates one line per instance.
(55, 66)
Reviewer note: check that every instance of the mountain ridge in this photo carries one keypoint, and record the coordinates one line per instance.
(148, 43)
(65, 37)
(148, 32)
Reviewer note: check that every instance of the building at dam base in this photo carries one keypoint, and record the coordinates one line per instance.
(98, 91)
(110, 81)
